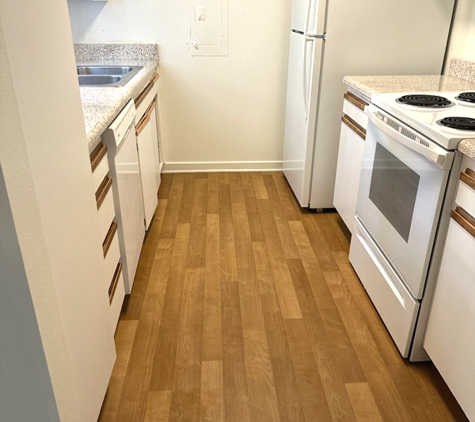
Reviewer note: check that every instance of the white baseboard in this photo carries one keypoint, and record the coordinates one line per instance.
(221, 166)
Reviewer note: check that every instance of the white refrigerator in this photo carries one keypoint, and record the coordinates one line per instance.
(330, 39)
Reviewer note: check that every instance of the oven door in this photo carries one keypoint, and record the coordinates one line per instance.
(402, 186)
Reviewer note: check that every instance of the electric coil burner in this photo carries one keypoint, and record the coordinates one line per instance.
(461, 123)
(422, 100)
(468, 97)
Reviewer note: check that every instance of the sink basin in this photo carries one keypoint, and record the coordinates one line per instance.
(98, 80)
(103, 70)
(106, 76)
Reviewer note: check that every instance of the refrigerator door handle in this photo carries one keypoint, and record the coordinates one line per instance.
(307, 16)
(305, 40)
(313, 35)
(305, 81)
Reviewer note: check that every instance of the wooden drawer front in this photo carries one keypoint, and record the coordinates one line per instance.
(112, 257)
(117, 294)
(355, 113)
(106, 214)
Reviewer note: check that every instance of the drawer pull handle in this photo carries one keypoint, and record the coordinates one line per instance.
(109, 238)
(465, 220)
(468, 177)
(355, 127)
(97, 154)
(115, 281)
(143, 122)
(353, 99)
(146, 90)
(385, 275)
(102, 191)
(150, 107)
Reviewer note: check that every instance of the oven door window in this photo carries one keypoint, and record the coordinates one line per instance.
(393, 190)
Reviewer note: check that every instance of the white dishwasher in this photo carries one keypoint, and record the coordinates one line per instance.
(124, 165)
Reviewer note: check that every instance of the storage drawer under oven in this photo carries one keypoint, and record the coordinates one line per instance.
(395, 305)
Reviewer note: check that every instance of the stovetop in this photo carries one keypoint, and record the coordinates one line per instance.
(436, 115)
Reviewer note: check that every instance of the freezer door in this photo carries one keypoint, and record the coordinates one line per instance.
(299, 8)
(302, 92)
(308, 16)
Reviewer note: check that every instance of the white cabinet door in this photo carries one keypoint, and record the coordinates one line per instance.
(148, 160)
(350, 156)
(450, 336)
(156, 153)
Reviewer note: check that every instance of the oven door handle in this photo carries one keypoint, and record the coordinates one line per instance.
(434, 153)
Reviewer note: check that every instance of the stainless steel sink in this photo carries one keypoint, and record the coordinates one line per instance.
(106, 76)
(103, 70)
(99, 80)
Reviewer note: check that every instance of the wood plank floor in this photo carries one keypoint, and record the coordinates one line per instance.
(245, 308)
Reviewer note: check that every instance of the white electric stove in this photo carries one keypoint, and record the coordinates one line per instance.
(410, 167)
(427, 119)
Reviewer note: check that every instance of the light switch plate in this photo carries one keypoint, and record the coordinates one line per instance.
(200, 13)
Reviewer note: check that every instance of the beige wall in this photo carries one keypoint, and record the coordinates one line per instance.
(462, 40)
(216, 112)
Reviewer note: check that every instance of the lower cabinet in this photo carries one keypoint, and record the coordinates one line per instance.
(350, 155)
(147, 130)
(149, 163)
(450, 335)
(147, 146)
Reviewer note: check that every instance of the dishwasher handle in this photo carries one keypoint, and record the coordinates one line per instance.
(120, 128)
(128, 130)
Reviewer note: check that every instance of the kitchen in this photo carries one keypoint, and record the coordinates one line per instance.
(48, 110)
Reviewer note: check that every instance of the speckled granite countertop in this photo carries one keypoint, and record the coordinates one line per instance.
(369, 85)
(101, 105)
(461, 77)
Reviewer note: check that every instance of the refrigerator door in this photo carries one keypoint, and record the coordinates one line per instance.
(302, 92)
(305, 59)
(391, 40)
(308, 16)
(299, 10)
